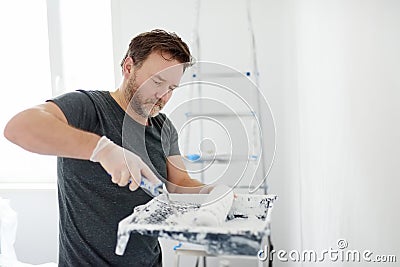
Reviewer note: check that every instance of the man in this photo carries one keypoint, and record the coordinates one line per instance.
(97, 178)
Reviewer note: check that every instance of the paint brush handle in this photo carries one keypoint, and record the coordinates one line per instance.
(154, 189)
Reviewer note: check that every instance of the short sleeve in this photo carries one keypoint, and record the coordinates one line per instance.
(78, 108)
(174, 145)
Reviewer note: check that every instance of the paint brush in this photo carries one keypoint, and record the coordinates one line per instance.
(153, 188)
(165, 191)
(157, 189)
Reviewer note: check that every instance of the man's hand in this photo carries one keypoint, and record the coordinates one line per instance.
(121, 164)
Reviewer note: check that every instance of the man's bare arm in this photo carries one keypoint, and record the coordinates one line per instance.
(43, 129)
(180, 181)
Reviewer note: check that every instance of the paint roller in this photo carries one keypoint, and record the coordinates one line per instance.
(214, 210)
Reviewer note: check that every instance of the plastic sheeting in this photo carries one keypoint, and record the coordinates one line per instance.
(8, 231)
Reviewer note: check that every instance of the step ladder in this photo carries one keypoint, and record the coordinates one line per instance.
(251, 116)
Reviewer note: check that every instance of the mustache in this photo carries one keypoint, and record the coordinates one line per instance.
(156, 102)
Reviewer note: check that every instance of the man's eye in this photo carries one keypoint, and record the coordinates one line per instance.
(157, 82)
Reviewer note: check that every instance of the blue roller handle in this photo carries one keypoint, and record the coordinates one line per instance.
(154, 189)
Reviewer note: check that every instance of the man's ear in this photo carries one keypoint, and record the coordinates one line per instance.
(128, 66)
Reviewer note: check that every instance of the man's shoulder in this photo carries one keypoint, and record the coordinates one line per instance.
(95, 96)
(80, 93)
(86, 99)
(92, 92)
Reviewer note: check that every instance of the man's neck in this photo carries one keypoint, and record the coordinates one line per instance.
(119, 97)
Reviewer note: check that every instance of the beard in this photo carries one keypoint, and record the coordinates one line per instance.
(145, 108)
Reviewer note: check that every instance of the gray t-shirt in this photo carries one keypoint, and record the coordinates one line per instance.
(90, 205)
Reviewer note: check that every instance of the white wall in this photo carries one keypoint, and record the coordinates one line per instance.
(348, 81)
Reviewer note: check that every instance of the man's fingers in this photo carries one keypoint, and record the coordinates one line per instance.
(146, 172)
(135, 181)
(115, 178)
(124, 179)
(130, 172)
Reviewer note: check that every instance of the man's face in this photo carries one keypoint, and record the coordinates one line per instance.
(150, 87)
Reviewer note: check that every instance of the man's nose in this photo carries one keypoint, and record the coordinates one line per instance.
(162, 92)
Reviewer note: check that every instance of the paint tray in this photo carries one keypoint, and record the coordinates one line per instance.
(243, 233)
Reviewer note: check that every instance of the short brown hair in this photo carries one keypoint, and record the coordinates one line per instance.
(145, 43)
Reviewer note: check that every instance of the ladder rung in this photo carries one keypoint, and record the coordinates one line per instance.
(216, 114)
(232, 74)
(196, 158)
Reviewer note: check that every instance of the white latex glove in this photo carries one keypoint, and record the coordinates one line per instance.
(115, 160)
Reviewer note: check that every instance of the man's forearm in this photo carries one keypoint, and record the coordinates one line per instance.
(189, 186)
(41, 132)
